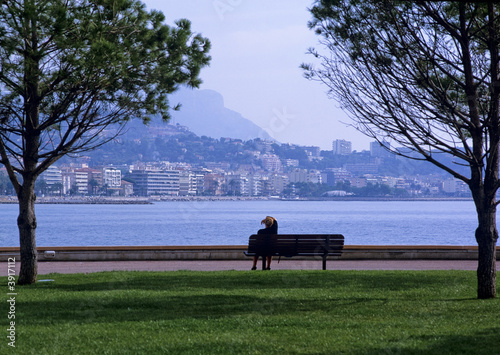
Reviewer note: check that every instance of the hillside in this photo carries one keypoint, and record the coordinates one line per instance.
(204, 114)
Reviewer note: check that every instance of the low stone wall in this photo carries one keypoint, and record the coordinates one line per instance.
(410, 252)
(351, 252)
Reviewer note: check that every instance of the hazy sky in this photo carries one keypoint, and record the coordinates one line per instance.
(257, 47)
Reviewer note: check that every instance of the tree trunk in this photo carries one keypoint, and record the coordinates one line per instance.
(26, 223)
(486, 237)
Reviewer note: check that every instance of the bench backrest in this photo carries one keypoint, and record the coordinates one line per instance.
(296, 244)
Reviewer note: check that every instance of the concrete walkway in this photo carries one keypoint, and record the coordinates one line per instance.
(69, 267)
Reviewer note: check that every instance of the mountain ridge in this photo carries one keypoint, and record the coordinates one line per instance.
(204, 113)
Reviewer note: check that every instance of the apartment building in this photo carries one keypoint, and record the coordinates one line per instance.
(333, 175)
(298, 175)
(271, 163)
(305, 176)
(278, 182)
(156, 182)
(78, 179)
(188, 183)
(111, 177)
(53, 178)
(213, 184)
(341, 147)
(238, 184)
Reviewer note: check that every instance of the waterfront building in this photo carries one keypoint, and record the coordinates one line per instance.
(238, 184)
(156, 182)
(95, 180)
(111, 177)
(127, 188)
(67, 178)
(190, 183)
(199, 177)
(213, 184)
(53, 178)
(81, 181)
(78, 180)
(259, 185)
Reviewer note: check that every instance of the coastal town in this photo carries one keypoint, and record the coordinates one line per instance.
(169, 161)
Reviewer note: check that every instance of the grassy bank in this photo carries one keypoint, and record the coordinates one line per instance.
(243, 312)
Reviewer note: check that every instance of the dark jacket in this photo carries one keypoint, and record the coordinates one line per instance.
(267, 248)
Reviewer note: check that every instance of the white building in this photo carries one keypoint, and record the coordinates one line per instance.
(81, 181)
(111, 177)
(52, 175)
(188, 183)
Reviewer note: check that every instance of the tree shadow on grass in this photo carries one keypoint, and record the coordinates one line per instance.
(483, 342)
(234, 280)
(124, 308)
(134, 296)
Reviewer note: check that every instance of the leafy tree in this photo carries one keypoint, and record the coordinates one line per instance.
(41, 186)
(290, 152)
(71, 71)
(93, 186)
(424, 75)
(57, 188)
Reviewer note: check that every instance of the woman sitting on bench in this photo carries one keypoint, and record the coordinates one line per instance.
(271, 228)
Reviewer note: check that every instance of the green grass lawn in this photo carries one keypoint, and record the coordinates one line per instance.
(259, 312)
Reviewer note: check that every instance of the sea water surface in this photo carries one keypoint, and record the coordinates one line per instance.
(232, 222)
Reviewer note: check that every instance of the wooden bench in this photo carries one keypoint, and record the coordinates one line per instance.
(289, 245)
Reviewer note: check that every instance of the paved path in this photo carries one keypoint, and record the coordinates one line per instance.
(68, 267)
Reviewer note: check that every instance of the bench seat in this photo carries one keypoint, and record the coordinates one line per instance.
(289, 245)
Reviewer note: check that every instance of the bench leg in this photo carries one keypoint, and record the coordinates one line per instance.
(324, 262)
(263, 262)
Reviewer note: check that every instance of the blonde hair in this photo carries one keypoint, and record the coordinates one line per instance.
(268, 221)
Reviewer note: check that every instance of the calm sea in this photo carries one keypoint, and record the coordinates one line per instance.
(231, 222)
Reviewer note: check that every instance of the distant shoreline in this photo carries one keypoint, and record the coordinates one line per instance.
(153, 199)
(81, 200)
